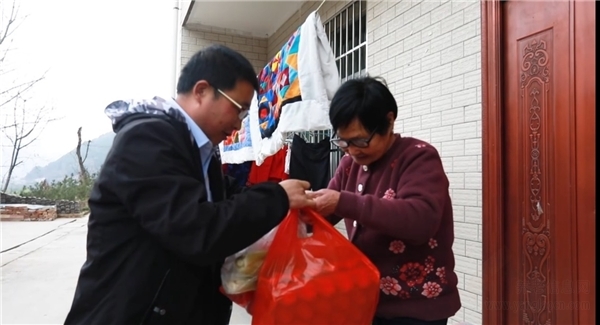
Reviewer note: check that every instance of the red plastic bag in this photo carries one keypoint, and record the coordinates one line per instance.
(244, 299)
(320, 279)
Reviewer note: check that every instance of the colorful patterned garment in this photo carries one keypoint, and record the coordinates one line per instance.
(295, 89)
(239, 139)
(279, 85)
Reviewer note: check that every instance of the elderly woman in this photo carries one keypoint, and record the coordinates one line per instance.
(392, 193)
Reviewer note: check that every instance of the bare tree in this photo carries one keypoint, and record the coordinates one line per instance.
(25, 129)
(10, 25)
(83, 173)
(11, 21)
(24, 121)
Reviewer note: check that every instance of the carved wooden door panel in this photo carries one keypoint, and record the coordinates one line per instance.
(540, 163)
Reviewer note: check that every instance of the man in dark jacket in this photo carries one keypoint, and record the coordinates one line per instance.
(163, 218)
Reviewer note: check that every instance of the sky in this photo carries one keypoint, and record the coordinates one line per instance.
(95, 52)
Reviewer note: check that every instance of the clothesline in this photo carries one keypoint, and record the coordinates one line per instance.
(321, 5)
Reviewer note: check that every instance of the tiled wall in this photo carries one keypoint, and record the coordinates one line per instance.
(429, 53)
(253, 48)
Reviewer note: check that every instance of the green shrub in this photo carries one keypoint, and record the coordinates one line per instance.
(69, 188)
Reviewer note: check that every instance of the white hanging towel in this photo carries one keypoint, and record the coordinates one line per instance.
(303, 77)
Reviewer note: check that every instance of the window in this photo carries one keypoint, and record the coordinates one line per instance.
(347, 34)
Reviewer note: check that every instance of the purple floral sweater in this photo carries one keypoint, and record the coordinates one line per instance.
(399, 214)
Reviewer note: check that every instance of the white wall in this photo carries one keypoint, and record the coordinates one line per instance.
(193, 40)
(183, 7)
(254, 49)
(429, 53)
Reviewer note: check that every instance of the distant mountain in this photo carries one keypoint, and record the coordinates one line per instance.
(67, 164)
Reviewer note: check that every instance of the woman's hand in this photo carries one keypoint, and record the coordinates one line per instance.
(327, 201)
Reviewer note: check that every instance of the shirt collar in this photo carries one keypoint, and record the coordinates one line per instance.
(202, 141)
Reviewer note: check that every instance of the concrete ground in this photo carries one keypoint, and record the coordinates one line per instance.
(40, 263)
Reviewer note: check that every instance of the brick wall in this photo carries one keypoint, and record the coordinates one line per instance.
(253, 48)
(429, 53)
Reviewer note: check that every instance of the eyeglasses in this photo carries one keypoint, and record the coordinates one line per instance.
(359, 142)
(243, 112)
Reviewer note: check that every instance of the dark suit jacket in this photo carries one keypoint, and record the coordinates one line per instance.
(155, 245)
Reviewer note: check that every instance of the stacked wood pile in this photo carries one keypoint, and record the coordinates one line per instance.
(26, 212)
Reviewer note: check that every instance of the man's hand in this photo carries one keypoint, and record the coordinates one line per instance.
(327, 201)
(297, 195)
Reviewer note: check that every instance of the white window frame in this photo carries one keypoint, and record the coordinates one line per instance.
(351, 59)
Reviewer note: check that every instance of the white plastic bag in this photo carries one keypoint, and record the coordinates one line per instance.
(240, 270)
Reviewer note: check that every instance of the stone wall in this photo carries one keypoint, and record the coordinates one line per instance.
(64, 208)
(27, 212)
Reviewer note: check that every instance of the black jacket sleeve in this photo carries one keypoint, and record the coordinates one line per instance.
(232, 187)
(154, 179)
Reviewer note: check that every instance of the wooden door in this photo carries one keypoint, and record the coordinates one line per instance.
(539, 162)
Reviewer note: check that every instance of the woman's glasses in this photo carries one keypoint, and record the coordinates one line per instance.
(357, 142)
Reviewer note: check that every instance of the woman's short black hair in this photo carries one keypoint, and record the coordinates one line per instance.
(367, 99)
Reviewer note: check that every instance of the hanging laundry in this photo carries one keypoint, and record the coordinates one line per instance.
(239, 172)
(295, 89)
(271, 170)
(310, 162)
(288, 156)
(279, 85)
(237, 148)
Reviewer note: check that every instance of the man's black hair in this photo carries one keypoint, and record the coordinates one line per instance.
(367, 99)
(220, 66)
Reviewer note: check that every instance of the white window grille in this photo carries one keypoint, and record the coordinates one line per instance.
(347, 34)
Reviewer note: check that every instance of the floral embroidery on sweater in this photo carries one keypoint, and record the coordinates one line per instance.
(424, 278)
(412, 273)
(397, 246)
(432, 243)
(431, 290)
(429, 264)
(441, 273)
(389, 194)
(389, 286)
